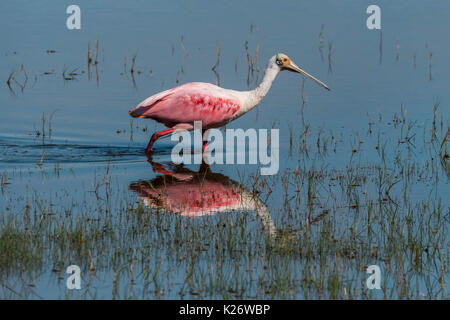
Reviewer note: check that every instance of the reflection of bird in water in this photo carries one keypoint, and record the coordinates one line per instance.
(194, 194)
(179, 107)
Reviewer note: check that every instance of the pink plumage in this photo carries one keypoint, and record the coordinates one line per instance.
(188, 103)
(202, 196)
(179, 107)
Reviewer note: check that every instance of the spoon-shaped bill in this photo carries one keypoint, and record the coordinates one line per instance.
(293, 67)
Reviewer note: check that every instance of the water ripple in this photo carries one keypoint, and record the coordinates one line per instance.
(22, 151)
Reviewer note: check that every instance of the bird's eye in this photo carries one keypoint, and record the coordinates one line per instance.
(279, 62)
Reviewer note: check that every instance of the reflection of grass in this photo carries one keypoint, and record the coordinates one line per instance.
(444, 154)
(13, 78)
(4, 180)
(333, 221)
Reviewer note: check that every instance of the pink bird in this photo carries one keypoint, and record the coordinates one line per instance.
(179, 107)
(195, 194)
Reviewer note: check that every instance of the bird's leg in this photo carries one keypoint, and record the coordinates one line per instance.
(150, 143)
(159, 168)
(156, 136)
(205, 142)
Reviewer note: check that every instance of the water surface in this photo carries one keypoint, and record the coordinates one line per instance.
(363, 174)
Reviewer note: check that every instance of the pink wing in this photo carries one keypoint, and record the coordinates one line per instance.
(188, 103)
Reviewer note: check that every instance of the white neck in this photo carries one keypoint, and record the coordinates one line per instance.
(253, 97)
(250, 202)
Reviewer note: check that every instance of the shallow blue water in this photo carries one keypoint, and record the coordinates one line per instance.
(174, 43)
(93, 111)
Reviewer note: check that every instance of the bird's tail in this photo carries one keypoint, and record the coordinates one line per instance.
(135, 113)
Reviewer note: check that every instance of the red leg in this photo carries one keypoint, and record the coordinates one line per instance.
(158, 168)
(156, 136)
(205, 142)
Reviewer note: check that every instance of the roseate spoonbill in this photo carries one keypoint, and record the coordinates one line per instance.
(179, 107)
(194, 194)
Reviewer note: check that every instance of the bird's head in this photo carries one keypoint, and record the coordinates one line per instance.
(285, 63)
